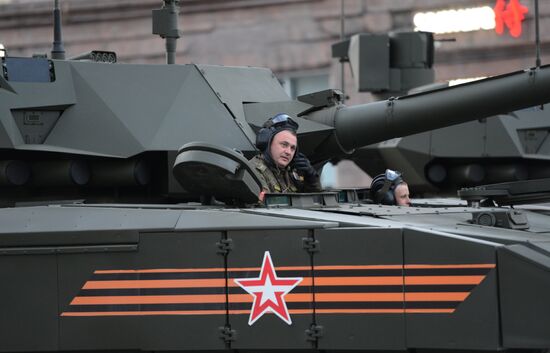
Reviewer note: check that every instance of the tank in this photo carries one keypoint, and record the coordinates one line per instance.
(131, 220)
(508, 147)
(505, 148)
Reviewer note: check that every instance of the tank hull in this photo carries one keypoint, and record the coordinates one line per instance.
(126, 278)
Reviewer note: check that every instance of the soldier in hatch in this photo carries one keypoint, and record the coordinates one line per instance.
(280, 166)
(390, 189)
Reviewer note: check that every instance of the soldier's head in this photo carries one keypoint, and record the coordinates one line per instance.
(277, 139)
(390, 189)
(401, 194)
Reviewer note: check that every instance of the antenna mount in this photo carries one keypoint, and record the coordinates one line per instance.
(165, 24)
(58, 52)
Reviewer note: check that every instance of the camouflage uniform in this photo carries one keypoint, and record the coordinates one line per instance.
(276, 180)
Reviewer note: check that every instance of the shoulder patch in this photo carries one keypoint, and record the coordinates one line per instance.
(258, 163)
(260, 166)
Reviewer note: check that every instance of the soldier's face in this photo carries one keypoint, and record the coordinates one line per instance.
(283, 147)
(401, 193)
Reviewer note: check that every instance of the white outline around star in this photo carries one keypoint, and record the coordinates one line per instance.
(268, 291)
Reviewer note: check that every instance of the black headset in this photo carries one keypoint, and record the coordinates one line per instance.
(383, 186)
(271, 127)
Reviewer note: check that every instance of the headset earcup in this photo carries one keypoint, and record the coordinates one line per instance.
(389, 197)
(262, 139)
(377, 193)
(375, 188)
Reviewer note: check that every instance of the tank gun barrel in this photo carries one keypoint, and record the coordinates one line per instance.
(362, 125)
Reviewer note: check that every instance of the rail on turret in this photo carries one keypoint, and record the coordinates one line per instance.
(512, 193)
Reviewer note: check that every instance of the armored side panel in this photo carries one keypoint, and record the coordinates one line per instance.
(524, 289)
(287, 254)
(456, 278)
(359, 296)
(29, 322)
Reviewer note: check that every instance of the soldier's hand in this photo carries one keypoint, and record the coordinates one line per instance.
(303, 166)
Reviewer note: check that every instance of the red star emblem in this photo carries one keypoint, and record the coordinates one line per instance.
(268, 291)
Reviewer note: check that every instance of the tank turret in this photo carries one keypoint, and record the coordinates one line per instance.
(82, 118)
(91, 128)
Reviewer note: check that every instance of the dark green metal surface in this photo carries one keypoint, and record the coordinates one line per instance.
(115, 238)
(368, 331)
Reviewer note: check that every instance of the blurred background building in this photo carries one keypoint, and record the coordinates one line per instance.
(291, 37)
